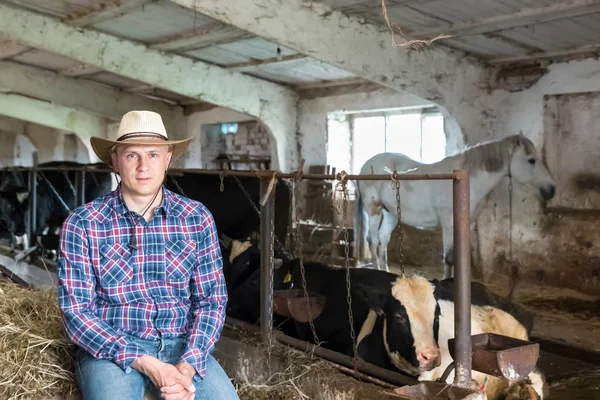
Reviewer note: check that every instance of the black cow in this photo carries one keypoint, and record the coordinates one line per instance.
(232, 210)
(241, 268)
(50, 185)
(401, 323)
(12, 218)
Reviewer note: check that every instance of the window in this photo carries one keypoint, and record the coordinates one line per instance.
(417, 133)
(229, 128)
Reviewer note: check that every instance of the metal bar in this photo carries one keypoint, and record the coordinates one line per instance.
(268, 174)
(366, 369)
(339, 176)
(266, 269)
(347, 361)
(33, 200)
(462, 279)
(80, 176)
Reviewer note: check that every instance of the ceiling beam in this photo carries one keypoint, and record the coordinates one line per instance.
(244, 66)
(274, 104)
(79, 70)
(332, 37)
(105, 10)
(587, 50)
(40, 112)
(212, 34)
(11, 48)
(91, 97)
(135, 61)
(528, 16)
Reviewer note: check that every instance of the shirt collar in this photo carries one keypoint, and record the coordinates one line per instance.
(121, 208)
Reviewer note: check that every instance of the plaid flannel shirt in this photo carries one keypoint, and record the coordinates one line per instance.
(171, 286)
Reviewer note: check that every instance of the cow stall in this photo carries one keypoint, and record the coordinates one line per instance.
(243, 346)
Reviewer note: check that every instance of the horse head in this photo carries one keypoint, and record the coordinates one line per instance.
(527, 168)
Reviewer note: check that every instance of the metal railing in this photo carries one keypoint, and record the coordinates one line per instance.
(462, 268)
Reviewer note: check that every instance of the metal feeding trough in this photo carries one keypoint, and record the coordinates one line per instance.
(502, 356)
(292, 303)
(438, 391)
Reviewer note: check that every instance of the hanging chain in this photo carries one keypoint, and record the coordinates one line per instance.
(277, 242)
(221, 186)
(70, 184)
(399, 224)
(271, 275)
(177, 184)
(299, 249)
(347, 267)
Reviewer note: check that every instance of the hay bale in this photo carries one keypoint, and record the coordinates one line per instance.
(35, 353)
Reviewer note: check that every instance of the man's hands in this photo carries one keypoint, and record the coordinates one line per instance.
(175, 382)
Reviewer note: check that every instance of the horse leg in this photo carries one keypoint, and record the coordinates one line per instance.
(448, 259)
(385, 234)
(375, 221)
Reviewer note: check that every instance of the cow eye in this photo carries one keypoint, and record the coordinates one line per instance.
(531, 161)
(399, 318)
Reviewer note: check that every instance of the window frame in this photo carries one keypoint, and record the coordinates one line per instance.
(423, 111)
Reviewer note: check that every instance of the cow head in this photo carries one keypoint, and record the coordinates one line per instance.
(411, 320)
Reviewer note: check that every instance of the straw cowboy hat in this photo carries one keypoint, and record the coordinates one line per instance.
(140, 128)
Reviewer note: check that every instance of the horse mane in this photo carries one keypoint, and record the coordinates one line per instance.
(490, 156)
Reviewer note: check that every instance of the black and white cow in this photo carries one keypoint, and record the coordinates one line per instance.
(404, 323)
(489, 314)
(241, 268)
(50, 210)
(13, 193)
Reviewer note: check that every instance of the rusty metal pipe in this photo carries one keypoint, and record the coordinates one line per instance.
(266, 269)
(33, 200)
(462, 278)
(349, 370)
(347, 361)
(265, 174)
(330, 355)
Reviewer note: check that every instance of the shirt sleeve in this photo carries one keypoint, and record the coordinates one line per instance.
(76, 295)
(208, 301)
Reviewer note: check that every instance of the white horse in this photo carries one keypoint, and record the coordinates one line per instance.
(428, 203)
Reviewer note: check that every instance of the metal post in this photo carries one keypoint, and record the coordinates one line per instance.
(80, 185)
(33, 200)
(462, 279)
(266, 269)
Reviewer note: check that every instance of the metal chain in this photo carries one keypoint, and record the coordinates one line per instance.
(399, 224)
(177, 184)
(70, 184)
(272, 273)
(298, 243)
(277, 242)
(347, 267)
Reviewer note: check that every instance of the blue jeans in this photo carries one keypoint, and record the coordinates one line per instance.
(104, 380)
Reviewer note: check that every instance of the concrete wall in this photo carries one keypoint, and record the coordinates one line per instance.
(557, 243)
(16, 150)
(252, 138)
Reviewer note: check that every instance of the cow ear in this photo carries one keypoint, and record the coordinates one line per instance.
(376, 299)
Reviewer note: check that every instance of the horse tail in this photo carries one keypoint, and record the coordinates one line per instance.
(359, 227)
